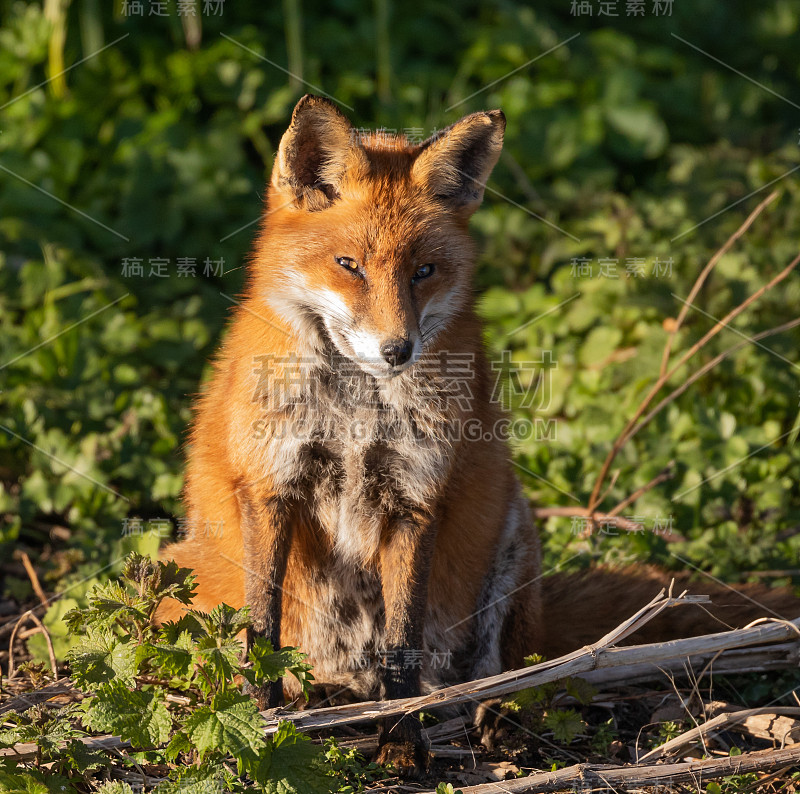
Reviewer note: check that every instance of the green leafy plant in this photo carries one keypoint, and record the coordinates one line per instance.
(173, 692)
(602, 737)
(539, 704)
(667, 730)
(566, 724)
(350, 768)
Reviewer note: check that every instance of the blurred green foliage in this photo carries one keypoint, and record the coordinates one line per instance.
(626, 143)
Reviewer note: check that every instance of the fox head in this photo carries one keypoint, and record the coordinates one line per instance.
(366, 237)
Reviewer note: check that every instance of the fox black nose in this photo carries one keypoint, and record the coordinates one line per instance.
(396, 351)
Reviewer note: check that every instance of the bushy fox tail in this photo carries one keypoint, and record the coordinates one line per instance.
(579, 608)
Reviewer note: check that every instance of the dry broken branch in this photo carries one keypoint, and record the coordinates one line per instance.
(29, 699)
(756, 659)
(39, 629)
(722, 722)
(578, 663)
(606, 776)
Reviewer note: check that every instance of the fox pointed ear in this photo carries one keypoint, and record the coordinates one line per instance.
(315, 153)
(455, 163)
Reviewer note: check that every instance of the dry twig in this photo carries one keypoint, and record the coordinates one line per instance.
(631, 427)
(704, 274)
(40, 627)
(606, 776)
(28, 699)
(722, 722)
(37, 587)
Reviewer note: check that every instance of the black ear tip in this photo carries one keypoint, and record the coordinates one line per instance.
(314, 102)
(497, 116)
(306, 101)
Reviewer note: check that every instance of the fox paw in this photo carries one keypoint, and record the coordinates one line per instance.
(494, 722)
(410, 759)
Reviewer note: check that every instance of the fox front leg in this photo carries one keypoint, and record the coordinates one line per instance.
(405, 559)
(266, 536)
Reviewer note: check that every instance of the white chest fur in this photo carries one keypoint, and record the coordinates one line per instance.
(357, 452)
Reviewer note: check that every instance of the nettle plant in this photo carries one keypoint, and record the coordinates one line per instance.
(174, 693)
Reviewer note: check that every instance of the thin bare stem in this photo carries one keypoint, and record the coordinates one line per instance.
(665, 474)
(710, 365)
(626, 433)
(35, 584)
(594, 517)
(50, 650)
(704, 274)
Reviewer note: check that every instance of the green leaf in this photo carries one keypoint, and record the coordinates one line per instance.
(157, 579)
(599, 345)
(223, 622)
(219, 649)
(139, 717)
(82, 758)
(47, 729)
(208, 779)
(179, 743)
(115, 787)
(643, 132)
(230, 725)
(102, 656)
(580, 689)
(270, 665)
(566, 724)
(171, 661)
(172, 631)
(34, 783)
(290, 765)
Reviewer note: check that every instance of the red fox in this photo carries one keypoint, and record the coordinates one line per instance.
(345, 451)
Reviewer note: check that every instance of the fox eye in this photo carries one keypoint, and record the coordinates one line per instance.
(348, 263)
(422, 272)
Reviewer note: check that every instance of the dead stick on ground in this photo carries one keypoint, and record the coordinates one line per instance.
(28, 699)
(722, 722)
(605, 776)
(19, 622)
(50, 650)
(754, 659)
(577, 663)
